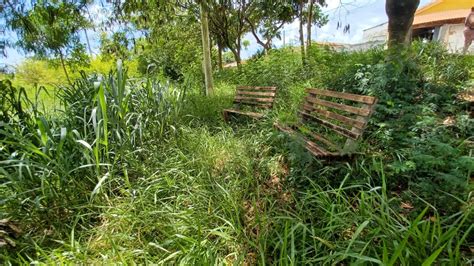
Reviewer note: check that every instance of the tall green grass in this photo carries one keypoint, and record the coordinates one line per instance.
(55, 169)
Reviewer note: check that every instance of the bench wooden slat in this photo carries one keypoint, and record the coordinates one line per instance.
(349, 127)
(321, 139)
(255, 93)
(258, 97)
(257, 88)
(310, 146)
(256, 104)
(343, 95)
(328, 114)
(260, 100)
(339, 106)
(340, 130)
(252, 114)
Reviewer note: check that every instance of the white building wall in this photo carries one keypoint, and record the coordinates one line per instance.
(365, 45)
(452, 35)
(378, 33)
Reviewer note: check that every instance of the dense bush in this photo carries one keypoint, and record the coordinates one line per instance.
(281, 68)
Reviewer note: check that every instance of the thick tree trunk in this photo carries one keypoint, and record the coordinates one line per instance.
(303, 53)
(207, 67)
(400, 20)
(308, 26)
(238, 60)
(236, 53)
(238, 47)
(64, 65)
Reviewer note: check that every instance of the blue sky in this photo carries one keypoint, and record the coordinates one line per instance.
(360, 14)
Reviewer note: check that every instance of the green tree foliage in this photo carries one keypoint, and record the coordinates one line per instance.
(171, 42)
(309, 12)
(32, 73)
(50, 28)
(228, 24)
(173, 50)
(267, 18)
(114, 46)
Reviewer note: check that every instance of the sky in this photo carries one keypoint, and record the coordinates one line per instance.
(359, 14)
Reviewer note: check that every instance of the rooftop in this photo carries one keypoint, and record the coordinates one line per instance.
(441, 12)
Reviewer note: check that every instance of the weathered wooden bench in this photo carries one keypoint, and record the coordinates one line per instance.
(331, 122)
(256, 98)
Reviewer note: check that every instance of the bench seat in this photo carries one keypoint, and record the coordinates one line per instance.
(240, 112)
(312, 147)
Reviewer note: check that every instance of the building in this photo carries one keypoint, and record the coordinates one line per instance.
(440, 20)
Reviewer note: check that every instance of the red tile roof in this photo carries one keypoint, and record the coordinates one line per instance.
(440, 18)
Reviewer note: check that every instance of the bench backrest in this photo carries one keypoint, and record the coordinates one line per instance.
(344, 114)
(258, 97)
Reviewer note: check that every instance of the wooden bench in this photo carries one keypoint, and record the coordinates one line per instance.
(331, 122)
(256, 98)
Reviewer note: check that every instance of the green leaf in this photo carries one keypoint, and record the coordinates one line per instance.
(103, 108)
(433, 256)
(99, 184)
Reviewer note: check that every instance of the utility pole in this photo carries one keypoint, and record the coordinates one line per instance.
(284, 38)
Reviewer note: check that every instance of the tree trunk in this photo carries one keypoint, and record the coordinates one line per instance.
(219, 55)
(310, 23)
(207, 67)
(238, 47)
(303, 53)
(400, 20)
(64, 65)
(267, 45)
(236, 54)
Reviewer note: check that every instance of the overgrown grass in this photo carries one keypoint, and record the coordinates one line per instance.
(137, 171)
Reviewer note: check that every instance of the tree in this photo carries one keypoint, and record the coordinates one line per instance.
(227, 22)
(401, 14)
(115, 46)
(314, 16)
(206, 48)
(301, 4)
(38, 73)
(171, 30)
(172, 49)
(50, 28)
(309, 12)
(220, 50)
(267, 18)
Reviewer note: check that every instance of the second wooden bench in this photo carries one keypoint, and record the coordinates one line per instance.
(256, 98)
(331, 122)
